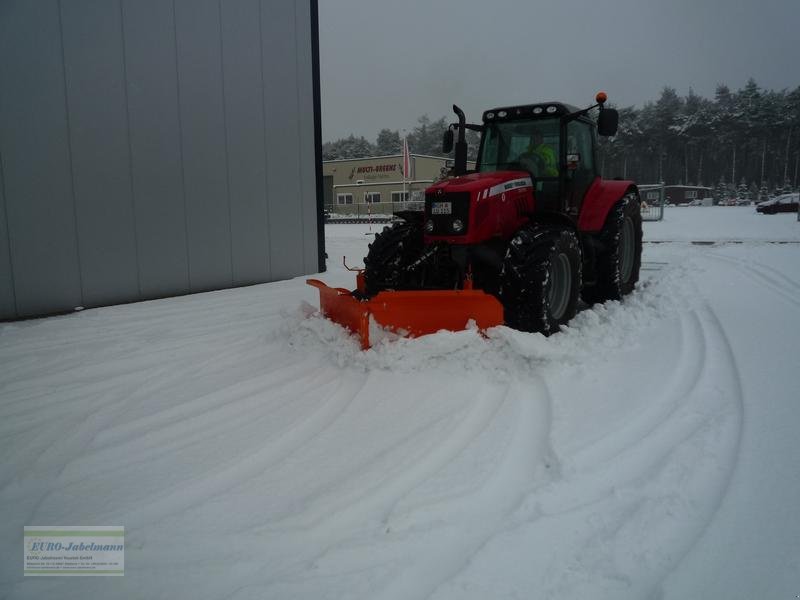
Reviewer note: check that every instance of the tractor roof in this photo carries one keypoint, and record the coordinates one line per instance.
(529, 111)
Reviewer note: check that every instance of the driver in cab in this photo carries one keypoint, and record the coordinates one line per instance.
(540, 157)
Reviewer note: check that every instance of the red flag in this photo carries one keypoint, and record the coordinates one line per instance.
(406, 160)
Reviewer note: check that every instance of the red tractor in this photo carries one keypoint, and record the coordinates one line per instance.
(519, 240)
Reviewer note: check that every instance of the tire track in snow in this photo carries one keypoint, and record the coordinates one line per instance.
(86, 364)
(204, 404)
(60, 345)
(633, 511)
(736, 444)
(220, 413)
(67, 457)
(22, 343)
(295, 541)
(475, 518)
(336, 516)
(56, 390)
(694, 473)
(232, 472)
(682, 466)
(67, 440)
(378, 501)
(378, 524)
(42, 408)
(200, 486)
(763, 268)
(692, 350)
(128, 390)
(788, 289)
(528, 452)
(447, 533)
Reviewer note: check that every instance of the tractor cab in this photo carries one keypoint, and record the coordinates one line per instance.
(555, 142)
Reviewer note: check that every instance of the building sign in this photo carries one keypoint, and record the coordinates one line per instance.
(376, 172)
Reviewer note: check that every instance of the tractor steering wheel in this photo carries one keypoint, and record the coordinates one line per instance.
(532, 162)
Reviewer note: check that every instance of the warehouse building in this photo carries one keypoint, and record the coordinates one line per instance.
(146, 152)
(375, 185)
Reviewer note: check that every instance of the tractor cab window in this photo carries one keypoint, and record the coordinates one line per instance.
(530, 145)
(580, 146)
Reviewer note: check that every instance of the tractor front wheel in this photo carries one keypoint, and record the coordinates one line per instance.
(387, 264)
(541, 279)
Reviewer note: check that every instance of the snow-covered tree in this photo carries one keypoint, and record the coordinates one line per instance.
(426, 137)
(743, 192)
(349, 147)
(763, 192)
(721, 190)
(388, 142)
(749, 134)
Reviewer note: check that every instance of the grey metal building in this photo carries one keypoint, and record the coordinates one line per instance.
(151, 148)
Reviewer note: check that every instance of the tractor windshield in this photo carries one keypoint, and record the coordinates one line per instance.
(530, 145)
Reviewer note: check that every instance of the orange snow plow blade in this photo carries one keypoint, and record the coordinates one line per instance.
(409, 313)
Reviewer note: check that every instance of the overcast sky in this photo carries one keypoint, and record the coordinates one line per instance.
(383, 64)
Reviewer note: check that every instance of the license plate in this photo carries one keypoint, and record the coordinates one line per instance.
(441, 208)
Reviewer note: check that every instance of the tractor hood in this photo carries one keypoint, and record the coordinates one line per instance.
(476, 207)
(473, 182)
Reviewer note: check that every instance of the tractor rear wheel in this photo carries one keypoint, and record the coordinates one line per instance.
(386, 265)
(541, 279)
(620, 256)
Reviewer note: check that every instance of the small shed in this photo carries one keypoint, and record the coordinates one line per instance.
(686, 194)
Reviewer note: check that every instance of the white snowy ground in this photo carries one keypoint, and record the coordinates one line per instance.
(251, 451)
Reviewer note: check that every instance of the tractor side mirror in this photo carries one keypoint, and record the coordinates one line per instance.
(447, 141)
(607, 122)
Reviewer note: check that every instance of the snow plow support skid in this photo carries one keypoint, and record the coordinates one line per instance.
(409, 313)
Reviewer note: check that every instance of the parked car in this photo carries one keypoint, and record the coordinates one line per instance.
(782, 203)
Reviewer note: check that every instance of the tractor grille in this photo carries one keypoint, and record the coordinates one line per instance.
(443, 224)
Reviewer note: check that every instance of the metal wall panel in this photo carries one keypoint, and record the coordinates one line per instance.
(34, 143)
(93, 59)
(247, 163)
(283, 138)
(205, 161)
(155, 147)
(155, 139)
(306, 157)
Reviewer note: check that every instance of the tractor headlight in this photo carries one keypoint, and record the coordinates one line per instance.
(458, 225)
(429, 225)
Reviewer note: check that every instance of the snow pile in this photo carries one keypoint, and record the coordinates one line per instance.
(501, 352)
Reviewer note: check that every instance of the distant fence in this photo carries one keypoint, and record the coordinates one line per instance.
(652, 195)
(376, 212)
(653, 199)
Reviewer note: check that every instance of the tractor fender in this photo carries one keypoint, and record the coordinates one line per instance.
(600, 198)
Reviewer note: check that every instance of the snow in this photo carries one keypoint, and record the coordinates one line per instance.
(721, 224)
(251, 450)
